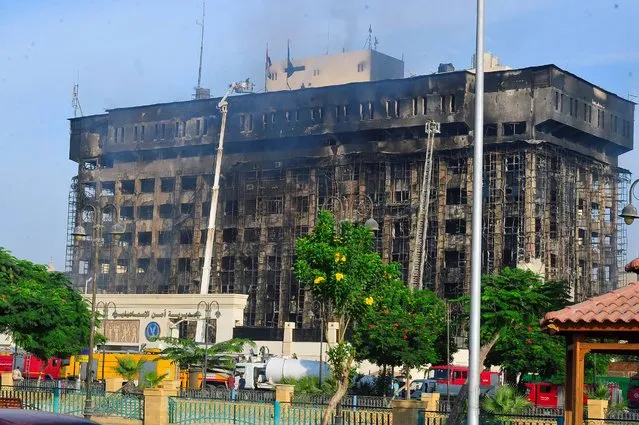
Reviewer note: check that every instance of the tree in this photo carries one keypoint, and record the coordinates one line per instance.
(511, 302)
(129, 369)
(153, 380)
(343, 270)
(402, 328)
(186, 353)
(506, 401)
(41, 310)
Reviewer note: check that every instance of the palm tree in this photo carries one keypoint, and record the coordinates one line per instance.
(153, 380)
(129, 369)
(506, 401)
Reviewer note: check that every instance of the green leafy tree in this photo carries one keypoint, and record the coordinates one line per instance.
(186, 353)
(512, 302)
(506, 401)
(402, 328)
(129, 369)
(153, 380)
(343, 270)
(41, 310)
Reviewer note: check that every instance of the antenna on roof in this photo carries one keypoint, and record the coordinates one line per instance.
(201, 93)
(201, 24)
(369, 40)
(75, 99)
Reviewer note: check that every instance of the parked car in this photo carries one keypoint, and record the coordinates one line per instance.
(35, 417)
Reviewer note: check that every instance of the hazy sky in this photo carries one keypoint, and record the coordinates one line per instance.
(126, 52)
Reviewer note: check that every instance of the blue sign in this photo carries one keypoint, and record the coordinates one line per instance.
(152, 331)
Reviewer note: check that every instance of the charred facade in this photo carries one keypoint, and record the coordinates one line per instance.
(551, 196)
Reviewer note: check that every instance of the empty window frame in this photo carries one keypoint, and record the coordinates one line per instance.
(143, 265)
(456, 196)
(301, 204)
(490, 130)
(127, 187)
(514, 128)
(273, 205)
(187, 208)
(147, 185)
(163, 266)
(186, 236)
(184, 265)
(88, 190)
(456, 226)
(198, 127)
(164, 237)
(165, 211)
(145, 238)
(108, 188)
(230, 208)
(145, 212)
(252, 234)
(122, 266)
(167, 185)
(229, 235)
(126, 213)
(414, 106)
(452, 106)
(188, 182)
(275, 234)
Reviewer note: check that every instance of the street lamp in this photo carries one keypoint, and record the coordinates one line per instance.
(79, 233)
(105, 313)
(629, 212)
(361, 207)
(318, 305)
(207, 315)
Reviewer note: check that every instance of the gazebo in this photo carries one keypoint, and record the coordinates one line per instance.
(608, 323)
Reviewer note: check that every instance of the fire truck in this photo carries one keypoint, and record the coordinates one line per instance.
(31, 366)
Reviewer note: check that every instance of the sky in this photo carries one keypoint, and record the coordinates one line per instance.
(127, 52)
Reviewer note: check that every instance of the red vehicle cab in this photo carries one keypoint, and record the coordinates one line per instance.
(547, 395)
(459, 375)
(31, 366)
(633, 392)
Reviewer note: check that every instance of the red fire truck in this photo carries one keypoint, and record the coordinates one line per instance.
(31, 366)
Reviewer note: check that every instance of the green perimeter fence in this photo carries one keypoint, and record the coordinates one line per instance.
(71, 402)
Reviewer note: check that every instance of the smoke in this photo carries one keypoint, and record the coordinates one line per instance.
(346, 14)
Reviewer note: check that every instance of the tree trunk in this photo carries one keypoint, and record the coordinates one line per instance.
(407, 383)
(460, 401)
(342, 389)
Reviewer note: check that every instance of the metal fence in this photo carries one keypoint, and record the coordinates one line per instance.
(200, 411)
(71, 401)
(230, 395)
(34, 384)
(349, 401)
(437, 418)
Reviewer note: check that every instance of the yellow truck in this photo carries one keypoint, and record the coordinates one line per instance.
(105, 363)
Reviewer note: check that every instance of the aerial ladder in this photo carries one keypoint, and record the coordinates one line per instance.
(240, 87)
(418, 257)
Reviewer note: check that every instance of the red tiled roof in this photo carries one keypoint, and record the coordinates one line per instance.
(619, 306)
(633, 266)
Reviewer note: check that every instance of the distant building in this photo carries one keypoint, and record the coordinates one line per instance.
(332, 70)
(491, 63)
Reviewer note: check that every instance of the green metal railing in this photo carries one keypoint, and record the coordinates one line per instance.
(196, 411)
(71, 402)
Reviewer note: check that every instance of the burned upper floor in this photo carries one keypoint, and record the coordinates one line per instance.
(533, 103)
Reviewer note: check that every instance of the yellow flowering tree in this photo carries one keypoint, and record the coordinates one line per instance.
(343, 271)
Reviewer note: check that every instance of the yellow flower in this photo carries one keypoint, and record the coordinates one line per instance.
(369, 301)
(337, 255)
(319, 279)
(343, 258)
(339, 276)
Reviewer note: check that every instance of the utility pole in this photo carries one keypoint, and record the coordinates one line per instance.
(201, 24)
(475, 264)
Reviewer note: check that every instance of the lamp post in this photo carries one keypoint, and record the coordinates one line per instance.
(207, 315)
(105, 308)
(319, 306)
(361, 207)
(474, 362)
(79, 233)
(629, 212)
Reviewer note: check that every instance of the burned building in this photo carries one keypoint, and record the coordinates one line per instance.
(551, 194)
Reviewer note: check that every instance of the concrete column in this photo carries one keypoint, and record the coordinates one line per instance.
(331, 332)
(431, 401)
(597, 410)
(113, 384)
(6, 378)
(171, 388)
(156, 407)
(284, 393)
(407, 412)
(287, 344)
